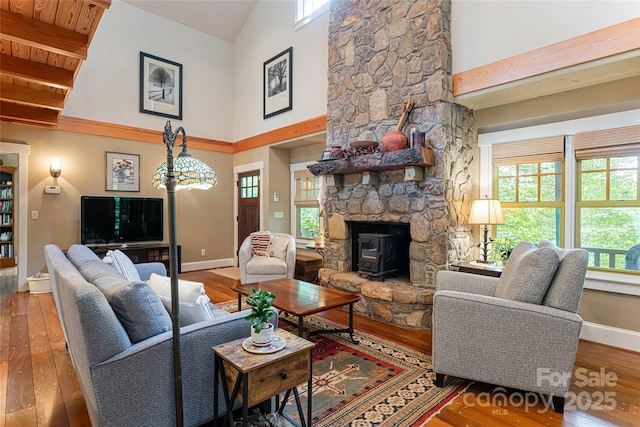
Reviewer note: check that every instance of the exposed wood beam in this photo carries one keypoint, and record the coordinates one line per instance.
(609, 41)
(105, 4)
(27, 96)
(307, 127)
(21, 29)
(27, 114)
(35, 72)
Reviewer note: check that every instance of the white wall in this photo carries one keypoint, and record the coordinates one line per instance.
(267, 32)
(484, 31)
(107, 86)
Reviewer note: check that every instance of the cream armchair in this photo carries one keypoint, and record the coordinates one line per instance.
(280, 263)
(520, 331)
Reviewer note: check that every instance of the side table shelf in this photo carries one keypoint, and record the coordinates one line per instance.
(254, 378)
(478, 268)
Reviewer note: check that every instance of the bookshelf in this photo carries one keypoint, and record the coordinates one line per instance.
(7, 258)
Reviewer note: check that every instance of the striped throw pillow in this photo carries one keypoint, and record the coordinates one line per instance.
(260, 242)
(124, 265)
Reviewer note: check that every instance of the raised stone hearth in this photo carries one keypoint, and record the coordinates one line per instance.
(393, 301)
(382, 53)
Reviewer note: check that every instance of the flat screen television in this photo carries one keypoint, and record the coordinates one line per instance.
(117, 220)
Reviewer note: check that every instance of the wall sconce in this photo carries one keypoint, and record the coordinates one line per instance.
(55, 168)
(486, 212)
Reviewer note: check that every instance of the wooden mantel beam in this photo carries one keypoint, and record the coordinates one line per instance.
(22, 29)
(398, 159)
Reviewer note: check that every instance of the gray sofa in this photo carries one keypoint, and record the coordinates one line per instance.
(520, 331)
(129, 383)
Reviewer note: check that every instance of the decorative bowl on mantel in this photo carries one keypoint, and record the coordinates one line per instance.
(363, 144)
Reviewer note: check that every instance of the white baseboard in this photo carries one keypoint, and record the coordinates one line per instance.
(206, 265)
(609, 335)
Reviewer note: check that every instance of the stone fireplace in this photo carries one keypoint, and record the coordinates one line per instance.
(382, 53)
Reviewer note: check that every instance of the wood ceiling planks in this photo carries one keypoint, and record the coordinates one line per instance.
(42, 45)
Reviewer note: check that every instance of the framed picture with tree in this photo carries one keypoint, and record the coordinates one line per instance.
(278, 81)
(160, 86)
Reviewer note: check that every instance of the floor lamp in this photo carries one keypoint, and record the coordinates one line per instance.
(175, 174)
(486, 212)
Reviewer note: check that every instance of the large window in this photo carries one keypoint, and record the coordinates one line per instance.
(531, 198)
(308, 190)
(608, 197)
(528, 183)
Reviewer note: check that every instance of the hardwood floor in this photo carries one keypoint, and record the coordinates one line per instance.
(38, 386)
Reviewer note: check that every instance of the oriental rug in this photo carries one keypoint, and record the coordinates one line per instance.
(376, 382)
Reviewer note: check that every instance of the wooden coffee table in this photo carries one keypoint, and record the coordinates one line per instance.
(300, 299)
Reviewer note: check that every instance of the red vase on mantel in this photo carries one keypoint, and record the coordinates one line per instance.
(394, 140)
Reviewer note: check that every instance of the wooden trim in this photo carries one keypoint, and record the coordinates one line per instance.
(296, 130)
(111, 130)
(609, 41)
(35, 72)
(21, 29)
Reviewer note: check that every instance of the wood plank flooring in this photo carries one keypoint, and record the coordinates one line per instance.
(38, 386)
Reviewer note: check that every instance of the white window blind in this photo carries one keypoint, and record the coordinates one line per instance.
(624, 141)
(307, 188)
(530, 151)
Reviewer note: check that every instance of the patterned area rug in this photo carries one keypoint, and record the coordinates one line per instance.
(374, 383)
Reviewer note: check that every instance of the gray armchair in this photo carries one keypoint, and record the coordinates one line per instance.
(518, 331)
(281, 262)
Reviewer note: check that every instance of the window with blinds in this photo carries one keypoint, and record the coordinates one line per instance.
(308, 191)
(608, 197)
(528, 181)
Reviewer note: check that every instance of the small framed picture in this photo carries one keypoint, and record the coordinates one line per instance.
(278, 80)
(123, 172)
(160, 86)
(326, 155)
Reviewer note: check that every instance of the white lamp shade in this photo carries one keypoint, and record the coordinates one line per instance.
(486, 211)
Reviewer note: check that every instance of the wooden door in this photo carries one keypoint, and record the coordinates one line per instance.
(248, 204)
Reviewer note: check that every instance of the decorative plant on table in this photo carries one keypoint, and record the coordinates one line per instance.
(502, 247)
(261, 309)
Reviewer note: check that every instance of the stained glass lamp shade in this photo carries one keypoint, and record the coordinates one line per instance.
(189, 172)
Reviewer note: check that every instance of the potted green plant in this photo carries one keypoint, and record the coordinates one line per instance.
(260, 303)
(502, 247)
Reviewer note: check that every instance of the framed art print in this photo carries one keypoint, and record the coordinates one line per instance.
(160, 86)
(278, 80)
(123, 172)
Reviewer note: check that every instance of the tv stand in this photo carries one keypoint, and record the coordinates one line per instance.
(140, 253)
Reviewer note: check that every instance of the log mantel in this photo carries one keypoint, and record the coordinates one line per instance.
(398, 159)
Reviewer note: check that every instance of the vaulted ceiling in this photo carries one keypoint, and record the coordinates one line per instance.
(42, 46)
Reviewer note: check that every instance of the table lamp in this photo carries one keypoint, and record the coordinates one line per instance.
(486, 212)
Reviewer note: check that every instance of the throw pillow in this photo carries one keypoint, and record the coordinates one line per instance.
(566, 287)
(519, 251)
(260, 242)
(139, 310)
(532, 276)
(123, 264)
(194, 302)
(279, 247)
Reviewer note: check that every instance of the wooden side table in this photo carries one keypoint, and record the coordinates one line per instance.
(254, 378)
(478, 268)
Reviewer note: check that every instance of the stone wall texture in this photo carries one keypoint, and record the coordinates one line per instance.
(381, 54)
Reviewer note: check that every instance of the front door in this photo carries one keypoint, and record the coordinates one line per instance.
(248, 204)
